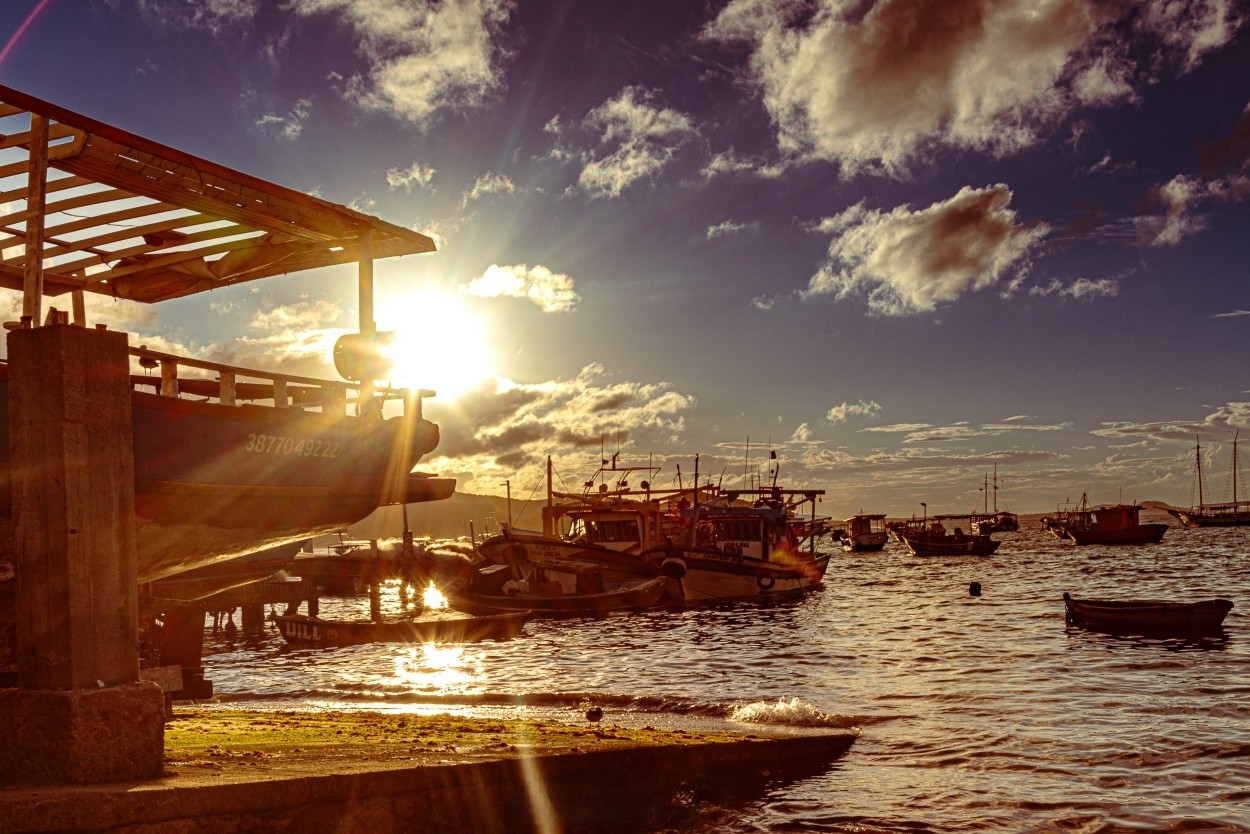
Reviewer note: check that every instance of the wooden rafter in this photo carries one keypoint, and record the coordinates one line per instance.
(131, 218)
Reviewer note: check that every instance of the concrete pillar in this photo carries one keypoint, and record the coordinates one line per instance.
(76, 590)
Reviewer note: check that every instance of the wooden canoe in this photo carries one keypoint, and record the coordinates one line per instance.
(1146, 616)
(445, 627)
(634, 597)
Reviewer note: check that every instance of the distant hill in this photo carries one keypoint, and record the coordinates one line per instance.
(449, 519)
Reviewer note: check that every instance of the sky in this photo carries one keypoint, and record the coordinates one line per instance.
(908, 246)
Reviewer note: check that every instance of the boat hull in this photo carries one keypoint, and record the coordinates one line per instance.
(318, 633)
(865, 542)
(216, 482)
(1195, 518)
(1147, 616)
(638, 597)
(1141, 534)
(948, 546)
(706, 575)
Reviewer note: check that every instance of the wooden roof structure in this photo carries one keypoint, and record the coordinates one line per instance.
(93, 208)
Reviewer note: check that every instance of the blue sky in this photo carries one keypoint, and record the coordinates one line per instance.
(898, 242)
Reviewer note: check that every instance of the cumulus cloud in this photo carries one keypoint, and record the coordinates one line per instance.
(551, 291)
(840, 413)
(637, 139)
(425, 57)
(1182, 199)
(877, 87)
(909, 261)
(414, 176)
(505, 429)
(289, 126)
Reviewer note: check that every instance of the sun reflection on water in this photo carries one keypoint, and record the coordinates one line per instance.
(431, 667)
(433, 597)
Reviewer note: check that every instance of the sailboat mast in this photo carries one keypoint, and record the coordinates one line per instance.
(1235, 436)
(1198, 463)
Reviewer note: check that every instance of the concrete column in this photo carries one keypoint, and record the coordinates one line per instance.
(73, 502)
(81, 713)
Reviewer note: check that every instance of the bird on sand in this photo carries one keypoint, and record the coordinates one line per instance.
(594, 714)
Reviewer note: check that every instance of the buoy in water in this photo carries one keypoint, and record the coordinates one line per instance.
(974, 589)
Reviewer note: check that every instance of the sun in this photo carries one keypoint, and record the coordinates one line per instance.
(438, 343)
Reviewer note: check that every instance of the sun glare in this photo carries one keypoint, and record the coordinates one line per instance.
(438, 343)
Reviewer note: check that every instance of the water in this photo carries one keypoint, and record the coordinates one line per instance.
(974, 713)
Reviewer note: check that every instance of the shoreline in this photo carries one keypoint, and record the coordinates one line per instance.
(313, 771)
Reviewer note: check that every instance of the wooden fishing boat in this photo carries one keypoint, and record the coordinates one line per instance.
(1147, 616)
(442, 626)
(121, 216)
(928, 537)
(1110, 524)
(626, 597)
(1235, 513)
(863, 532)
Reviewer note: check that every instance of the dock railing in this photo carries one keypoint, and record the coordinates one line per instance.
(234, 384)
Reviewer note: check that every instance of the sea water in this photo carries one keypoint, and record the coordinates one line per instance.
(974, 713)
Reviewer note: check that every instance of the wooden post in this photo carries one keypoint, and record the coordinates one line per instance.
(169, 378)
(280, 397)
(37, 183)
(368, 326)
(227, 388)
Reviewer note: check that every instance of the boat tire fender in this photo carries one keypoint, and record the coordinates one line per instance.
(674, 567)
(765, 581)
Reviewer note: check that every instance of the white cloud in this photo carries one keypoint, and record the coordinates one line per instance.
(415, 176)
(839, 413)
(1231, 314)
(1181, 198)
(910, 261)
(551, 291)
(426, 57)
(289, 126)
(1080, 289)
(802, 434)
(213, 15)
(488, 185)
(730, 227)
(638, 139)
(878, 86)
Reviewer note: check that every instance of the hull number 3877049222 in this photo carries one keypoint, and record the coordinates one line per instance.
(279, 445)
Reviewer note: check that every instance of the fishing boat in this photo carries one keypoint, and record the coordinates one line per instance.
(992, 520)
(1235, 513)
(227, 460)
(744, 544)
(863, 532)
(443, 626)
(573, 589)
(1147, 616)
(610, 523)
(928, 536)
(1109, 524)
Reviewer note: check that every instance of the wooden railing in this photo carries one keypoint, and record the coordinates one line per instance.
(285, 390)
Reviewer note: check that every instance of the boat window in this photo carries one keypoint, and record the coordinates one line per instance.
(614, 531)
(736, 529)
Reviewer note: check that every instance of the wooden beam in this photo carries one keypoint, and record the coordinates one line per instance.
(32, 285)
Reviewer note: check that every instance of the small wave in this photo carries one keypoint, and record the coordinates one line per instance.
(789, 712)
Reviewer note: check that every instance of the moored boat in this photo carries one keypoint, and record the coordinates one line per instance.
(443, 626)
(1234, 513)
(928, 537)
(1146, 616)
(123, 217)
(992, 520)
(863, 532)
(744, 544)
(1111, 524)
(573, 590)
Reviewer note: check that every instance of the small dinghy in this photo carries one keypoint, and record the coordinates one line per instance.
(442, 627)
(1147, 616)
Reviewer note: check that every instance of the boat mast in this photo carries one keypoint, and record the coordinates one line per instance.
(1235, 436)
(1198, 464)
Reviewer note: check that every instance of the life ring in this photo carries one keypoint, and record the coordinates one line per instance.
(765, 581)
